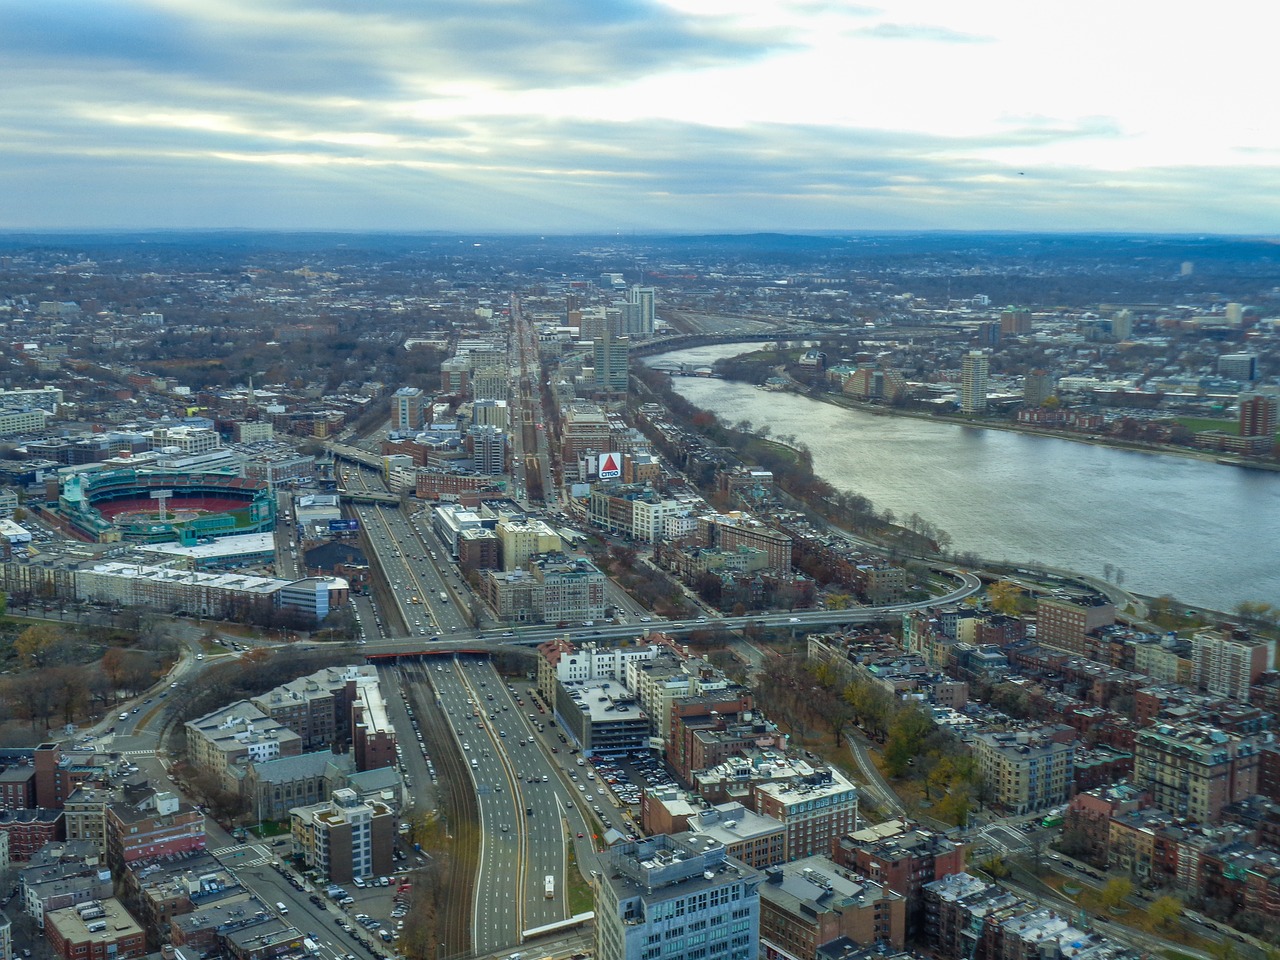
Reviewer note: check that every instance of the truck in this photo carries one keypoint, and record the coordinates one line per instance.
(444, 597)
(549, 886)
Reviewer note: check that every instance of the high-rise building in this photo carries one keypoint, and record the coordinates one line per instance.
(1122, 325)
(1015, 321)
(1238, 366)
(611, 370)
(488, 449)
(643, 298)
(1225, 663)
(344, 838)
(408, 406)
(1257, 415)
(1066, 623)
(668, 896)
(974, 367)
(1037, 387)
(491, 413)
(817, 810)
(1235, 314)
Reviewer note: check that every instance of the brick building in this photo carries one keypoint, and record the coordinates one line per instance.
(903, 857)
(100, 930)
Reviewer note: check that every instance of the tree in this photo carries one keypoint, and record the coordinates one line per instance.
(35, 643)
(1165, 913)
(1004, 597)
(1115, 892)
(907, 734)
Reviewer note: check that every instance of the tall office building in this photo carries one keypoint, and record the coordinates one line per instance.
(1235, 314)
(611, 363)
(974, 367)
(642, 297)
(675, 896)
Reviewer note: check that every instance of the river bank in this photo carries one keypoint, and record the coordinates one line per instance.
(1133, 446)
(1167, 524)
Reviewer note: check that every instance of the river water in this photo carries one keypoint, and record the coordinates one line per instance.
(1207, 533)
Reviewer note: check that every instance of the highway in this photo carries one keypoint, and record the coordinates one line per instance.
(527, 803)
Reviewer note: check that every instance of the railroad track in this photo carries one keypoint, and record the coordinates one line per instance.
(459, 805)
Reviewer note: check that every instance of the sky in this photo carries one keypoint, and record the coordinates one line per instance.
(635, 116)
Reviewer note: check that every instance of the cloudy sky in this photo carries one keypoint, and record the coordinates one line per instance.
(638, 115)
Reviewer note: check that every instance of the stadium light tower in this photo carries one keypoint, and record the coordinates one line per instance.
(161, 496)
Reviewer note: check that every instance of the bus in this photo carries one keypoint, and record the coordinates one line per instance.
(549, 886)
(444, 597)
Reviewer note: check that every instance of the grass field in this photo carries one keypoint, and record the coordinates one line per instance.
(1196, 424)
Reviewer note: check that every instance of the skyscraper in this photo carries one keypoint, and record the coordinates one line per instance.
(973, 382)
(643, 298)
(1238, 366)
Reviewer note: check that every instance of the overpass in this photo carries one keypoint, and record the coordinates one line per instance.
(377, 497)
(344, 451)
(490, 641)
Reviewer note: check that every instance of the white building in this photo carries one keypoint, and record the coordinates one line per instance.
(974, 368)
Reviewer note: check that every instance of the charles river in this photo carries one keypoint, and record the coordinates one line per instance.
(1206, 533)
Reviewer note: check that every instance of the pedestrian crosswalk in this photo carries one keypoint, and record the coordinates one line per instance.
(242, 855)
(137, 753)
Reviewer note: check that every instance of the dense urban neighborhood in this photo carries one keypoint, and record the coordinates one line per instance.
(389, 597)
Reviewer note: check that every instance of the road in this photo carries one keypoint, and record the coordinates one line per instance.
(526, 801)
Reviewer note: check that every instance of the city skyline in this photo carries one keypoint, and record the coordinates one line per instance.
(675, 116)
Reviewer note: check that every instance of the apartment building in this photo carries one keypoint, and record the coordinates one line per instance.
(817, 808)
(904, 857)
(1193, 770)
(1026, 770)
(1066, 623)
(1226, 662)
(344, 838)
(812, 901)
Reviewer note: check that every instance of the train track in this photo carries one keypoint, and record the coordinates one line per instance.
(459, 806)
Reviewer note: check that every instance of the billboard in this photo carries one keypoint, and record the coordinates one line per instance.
(610, 466)
(342, 526)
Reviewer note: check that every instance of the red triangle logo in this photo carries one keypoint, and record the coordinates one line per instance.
(609, 463)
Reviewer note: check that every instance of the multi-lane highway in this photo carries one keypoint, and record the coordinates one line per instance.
(528, 805)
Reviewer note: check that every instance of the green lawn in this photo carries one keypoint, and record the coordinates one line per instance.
(1196, 424)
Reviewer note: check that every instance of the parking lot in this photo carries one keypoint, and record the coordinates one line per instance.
(628, 777)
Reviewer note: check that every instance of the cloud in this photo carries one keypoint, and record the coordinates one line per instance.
(686, 114)
(922, 32)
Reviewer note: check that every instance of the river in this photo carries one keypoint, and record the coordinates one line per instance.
(1203, 532)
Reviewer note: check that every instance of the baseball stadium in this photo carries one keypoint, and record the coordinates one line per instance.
(144, 507)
